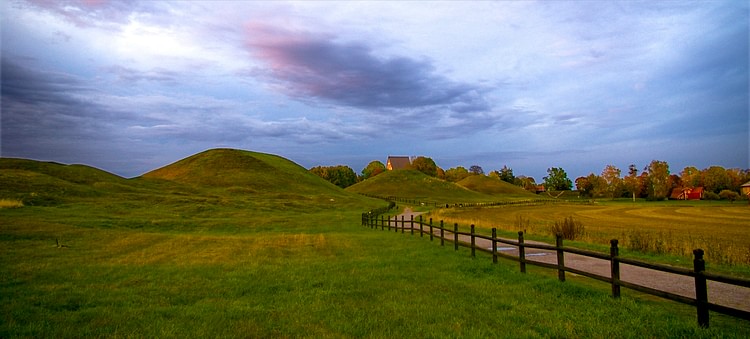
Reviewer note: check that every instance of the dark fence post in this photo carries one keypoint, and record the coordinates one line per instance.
(403, 225)
(431, 229)
(442, 234)
(701, 291)
(560, 257)
(455, 236)
(382, 222)
(473, 242)
(421, 231)
(614, 251)
(521, 252)
(411, 223)
(389, 223)
(494, 245)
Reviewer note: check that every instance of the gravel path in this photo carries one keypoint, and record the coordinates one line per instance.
(718, 293)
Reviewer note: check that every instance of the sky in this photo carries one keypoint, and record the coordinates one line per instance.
(129, 87)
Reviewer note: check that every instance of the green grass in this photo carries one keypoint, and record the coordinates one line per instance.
(495, 187)
(151, 257)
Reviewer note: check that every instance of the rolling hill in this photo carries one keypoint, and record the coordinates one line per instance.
(492, 186)
(413, 184)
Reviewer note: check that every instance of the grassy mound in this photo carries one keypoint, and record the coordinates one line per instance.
(243, 172)
(492, 186)
(48, 183)
(416, 185)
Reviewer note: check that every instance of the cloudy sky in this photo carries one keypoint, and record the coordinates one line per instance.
(132, 86)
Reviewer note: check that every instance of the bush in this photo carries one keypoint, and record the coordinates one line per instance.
(568, 228)
(729, 195)
(711, 196)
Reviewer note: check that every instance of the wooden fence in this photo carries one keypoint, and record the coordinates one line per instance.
(703, 306)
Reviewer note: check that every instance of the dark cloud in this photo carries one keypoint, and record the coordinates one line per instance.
(306, 65)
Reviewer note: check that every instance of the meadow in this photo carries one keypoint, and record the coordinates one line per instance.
(156, 257)
(659, 228)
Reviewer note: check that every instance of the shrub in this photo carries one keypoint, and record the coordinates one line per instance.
(568, 228)
(9, 203)
(711, 196)
(729, 195)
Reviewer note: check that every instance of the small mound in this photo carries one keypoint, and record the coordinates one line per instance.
(413, 184)
(488, 185)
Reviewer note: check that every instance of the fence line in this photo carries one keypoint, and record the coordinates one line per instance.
(703, 306)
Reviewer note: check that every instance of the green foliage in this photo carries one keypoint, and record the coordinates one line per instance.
(372, 169)
(711, 196)
(341, 176)
(658, 185)
(568, 228)
(557, 180)
(425, 165)
(456, 174)
(729, 195)
(716, 179)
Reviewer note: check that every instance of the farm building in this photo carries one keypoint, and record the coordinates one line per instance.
(685, 193)
(746, 189)
(397, 163)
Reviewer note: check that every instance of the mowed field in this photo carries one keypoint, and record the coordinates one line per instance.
(722, 229)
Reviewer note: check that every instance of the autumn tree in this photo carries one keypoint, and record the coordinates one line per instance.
(476, 170)
(658, 180)
(372, 169)
(425, 165)
(632, 183)
(456, 174)
(528, 183)
(557, 179)
(612, 181)
(691, 177)
(583, 186)
(506, 174)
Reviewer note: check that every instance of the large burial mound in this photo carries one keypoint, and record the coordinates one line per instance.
(243, 172)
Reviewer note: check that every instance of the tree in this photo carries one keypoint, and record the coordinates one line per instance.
(506, 174)
(716, 179)
(632, 183)
(691, 177)
(557, 179)
(612, 180)
(425, 165)
(341, 176)
(372, 169)
(476, 170)
(528, 183)
(583, 186)
(658, 180)
(456, 174)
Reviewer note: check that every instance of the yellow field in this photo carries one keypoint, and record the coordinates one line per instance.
(721, 229)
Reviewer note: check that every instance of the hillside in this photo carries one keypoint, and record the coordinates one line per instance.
(45, 183)
(243, 172)
(416, 185)
(492, 186)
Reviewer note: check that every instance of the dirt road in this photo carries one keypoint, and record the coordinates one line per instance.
(718, 293)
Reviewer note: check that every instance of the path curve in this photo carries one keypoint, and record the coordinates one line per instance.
(718, 293)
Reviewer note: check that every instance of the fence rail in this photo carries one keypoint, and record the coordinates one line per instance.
(700, 301)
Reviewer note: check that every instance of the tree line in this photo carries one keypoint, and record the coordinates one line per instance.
(654, 182)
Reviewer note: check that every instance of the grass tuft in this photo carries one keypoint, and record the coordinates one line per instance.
(10, 203)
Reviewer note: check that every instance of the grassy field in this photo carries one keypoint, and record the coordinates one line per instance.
(150, 257)
(670, 227)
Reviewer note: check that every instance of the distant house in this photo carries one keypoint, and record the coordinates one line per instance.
(746, 189)
(540, 189)
(397, 163)
(685, 193)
